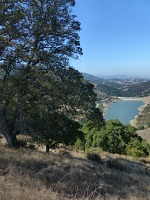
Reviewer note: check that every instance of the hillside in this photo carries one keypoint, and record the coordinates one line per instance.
(27, 174)
(138, 89)
(103, 87)
(120, 87)
(143, 118)
(93, 79)
(142, 121)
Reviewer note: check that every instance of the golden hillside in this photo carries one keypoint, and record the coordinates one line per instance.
(27, 174)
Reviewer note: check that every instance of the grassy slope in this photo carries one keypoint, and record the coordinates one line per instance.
(30, 174)
(145, 134)
(142, 119)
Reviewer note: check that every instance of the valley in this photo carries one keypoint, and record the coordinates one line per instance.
(115, 89)
(132, 87)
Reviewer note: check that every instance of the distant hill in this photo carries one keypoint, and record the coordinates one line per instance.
(92, 78)
(120, 87)
(103, 87)
(111, 91)
(138, 89)
(118, 76)
(122, 77)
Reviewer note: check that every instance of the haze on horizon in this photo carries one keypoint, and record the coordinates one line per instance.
(115, 37)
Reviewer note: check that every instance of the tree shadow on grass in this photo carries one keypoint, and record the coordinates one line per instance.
(78, 177)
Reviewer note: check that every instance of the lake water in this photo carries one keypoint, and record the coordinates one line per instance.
(125, 111)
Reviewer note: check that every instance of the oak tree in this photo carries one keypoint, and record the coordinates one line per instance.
(37, 39)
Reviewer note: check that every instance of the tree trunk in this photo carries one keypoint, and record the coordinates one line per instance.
(11, 140)
(47, 148)
(10, 137)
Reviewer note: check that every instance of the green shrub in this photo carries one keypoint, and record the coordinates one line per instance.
(79, 144)
(115, 137)
(135, 152)
(138, 148)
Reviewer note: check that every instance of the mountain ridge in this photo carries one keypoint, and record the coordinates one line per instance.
(117, 76)
(134, 87)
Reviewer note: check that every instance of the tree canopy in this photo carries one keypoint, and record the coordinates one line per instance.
(37, 39)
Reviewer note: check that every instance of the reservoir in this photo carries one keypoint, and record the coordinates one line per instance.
(124, 110)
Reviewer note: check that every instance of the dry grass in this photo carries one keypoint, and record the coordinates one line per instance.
(145, 134)
(29, 174)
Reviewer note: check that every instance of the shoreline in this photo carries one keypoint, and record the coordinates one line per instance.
(106, 104)
(146, 101)
(131, 98)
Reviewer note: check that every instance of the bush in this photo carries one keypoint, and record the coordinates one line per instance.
(138, 148)
(21, 143)
(65, 153)
(79, 144)
(116, 164)
(31, 146)
(94, 157)
(135, 152)
(140, 127)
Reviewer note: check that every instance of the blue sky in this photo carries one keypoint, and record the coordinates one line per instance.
(115, 37)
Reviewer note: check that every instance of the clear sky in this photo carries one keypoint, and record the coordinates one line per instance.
(115, 37)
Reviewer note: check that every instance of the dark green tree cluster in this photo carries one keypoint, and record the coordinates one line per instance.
(40, 94)
(115, 137)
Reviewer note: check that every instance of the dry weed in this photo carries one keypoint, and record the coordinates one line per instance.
(30, 174)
